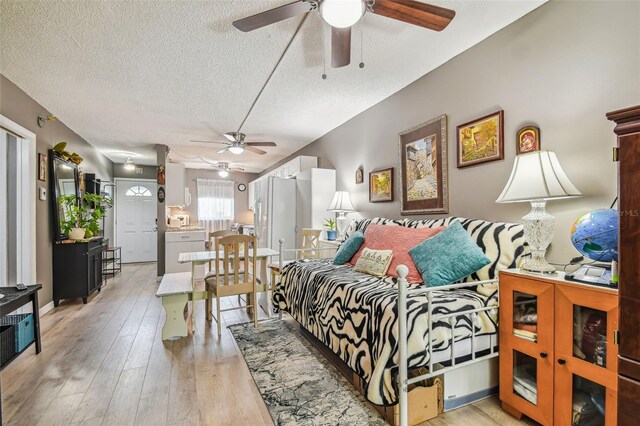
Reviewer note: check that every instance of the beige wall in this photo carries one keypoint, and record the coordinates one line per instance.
(563, 66)
(241, 201)
(20, 108)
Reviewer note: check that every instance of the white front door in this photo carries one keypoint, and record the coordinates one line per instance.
(136, 213)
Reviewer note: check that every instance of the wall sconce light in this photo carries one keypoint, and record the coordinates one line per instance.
(43, 120)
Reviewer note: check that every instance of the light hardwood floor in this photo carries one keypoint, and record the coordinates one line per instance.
(106, 363)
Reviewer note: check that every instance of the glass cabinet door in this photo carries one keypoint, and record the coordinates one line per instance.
(585, 324)
(586, 357)
(526, 346)
(582, 401)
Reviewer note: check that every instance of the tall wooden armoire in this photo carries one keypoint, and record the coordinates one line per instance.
(628, 130)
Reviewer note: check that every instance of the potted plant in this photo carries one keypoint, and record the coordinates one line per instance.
(71, 222)
(81, 220)
(330, 225)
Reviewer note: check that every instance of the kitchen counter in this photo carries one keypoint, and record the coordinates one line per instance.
(184, 228)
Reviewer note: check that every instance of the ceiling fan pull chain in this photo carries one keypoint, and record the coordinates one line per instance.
(361, 65)
(324, 51)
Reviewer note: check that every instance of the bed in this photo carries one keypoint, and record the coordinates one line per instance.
(357, 316)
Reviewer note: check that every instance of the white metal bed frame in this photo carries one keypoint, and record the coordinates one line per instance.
(403, 374)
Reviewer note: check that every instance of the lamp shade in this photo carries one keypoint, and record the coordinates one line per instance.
(537, 176)
(341, 202)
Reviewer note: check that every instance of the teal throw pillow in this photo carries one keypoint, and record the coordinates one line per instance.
(448, 256)
(349, 248)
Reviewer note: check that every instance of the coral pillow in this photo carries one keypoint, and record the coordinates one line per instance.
(399, 239)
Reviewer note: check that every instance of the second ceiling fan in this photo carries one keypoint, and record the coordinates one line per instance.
(236, 144)
(342, 14)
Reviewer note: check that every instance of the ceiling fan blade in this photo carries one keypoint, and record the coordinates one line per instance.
(236, 170)
(221, 143)
(272, 16)
(414, 12)
(260, 144)
(255, 150)
(223, 150)
(340, 47)
(231, 136)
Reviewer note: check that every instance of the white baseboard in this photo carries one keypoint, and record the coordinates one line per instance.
(46, 308)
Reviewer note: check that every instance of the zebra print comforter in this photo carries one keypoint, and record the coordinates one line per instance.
(355, 315)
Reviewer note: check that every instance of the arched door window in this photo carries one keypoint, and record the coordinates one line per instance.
(138, 191)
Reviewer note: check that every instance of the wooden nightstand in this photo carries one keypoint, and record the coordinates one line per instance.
(558, 359)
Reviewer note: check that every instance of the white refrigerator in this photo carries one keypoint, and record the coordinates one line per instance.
(275, 213)
(274, 216)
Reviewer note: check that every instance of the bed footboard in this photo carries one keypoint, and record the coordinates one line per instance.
(403, 374)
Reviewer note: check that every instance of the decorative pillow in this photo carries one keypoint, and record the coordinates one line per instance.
(448, 257)
(399, 239)
(503, 243)
(348, 248)
(374, 262)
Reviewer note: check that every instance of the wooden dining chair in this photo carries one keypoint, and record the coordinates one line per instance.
(310, 243)
(310, 246)
(228, 280)
(213, 237)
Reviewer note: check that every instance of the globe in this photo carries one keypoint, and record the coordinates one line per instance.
(595, 235)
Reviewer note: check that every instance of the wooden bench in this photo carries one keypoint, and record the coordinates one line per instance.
(176, 291)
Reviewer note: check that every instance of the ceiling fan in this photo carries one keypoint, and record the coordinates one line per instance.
(342, 14)
(224, 168)
(237, 145)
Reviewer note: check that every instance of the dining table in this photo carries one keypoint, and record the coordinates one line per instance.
(263, 255)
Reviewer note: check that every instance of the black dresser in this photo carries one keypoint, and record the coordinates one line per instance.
(77, 269)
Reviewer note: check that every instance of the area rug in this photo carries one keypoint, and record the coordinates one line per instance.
(299, 386)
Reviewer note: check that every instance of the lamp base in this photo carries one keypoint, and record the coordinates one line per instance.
(341, 224)
(538, 232)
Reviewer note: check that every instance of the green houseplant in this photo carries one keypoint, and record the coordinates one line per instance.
(82, 219)
(330, 225)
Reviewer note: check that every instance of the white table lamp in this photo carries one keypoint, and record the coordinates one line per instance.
(537, 177)
(341, 204)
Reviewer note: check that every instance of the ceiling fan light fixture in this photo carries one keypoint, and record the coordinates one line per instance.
(236, 150)
(342, 13)
(223, 173)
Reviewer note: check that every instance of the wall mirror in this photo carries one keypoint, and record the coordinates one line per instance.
(64, 181)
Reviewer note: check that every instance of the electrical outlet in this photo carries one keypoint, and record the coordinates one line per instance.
(42, 193)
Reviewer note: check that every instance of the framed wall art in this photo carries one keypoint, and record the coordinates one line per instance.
(527, 139)
(381, 186)
(481, 140)
(359, 175)
(423, 168)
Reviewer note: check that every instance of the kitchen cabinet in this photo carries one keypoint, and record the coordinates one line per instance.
(315, 191)
(176, 191)
(177, 242)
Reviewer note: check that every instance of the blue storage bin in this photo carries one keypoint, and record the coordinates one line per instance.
(24, 329)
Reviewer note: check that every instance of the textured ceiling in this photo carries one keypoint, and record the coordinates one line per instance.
(129, 75)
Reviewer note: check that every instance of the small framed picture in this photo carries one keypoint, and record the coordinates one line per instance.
(528, 139)
(359, 175)
(481, 140)
(381, 186)
(42, 167)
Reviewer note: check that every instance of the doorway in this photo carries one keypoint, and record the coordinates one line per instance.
(136, 223)
(17, 204)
